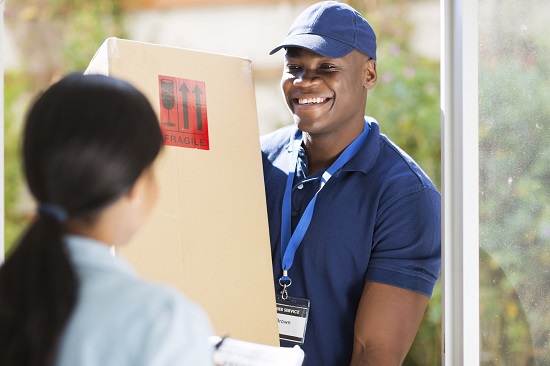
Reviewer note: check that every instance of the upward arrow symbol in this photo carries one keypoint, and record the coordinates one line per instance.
(184, 90)
(197, 91)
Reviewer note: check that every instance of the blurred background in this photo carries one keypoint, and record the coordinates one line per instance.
(44, 39)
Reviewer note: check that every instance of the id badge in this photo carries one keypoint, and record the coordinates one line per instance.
(292, 315)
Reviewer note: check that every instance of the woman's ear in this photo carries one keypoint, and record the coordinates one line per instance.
(144, 192)
(369, 74)
(135, 194)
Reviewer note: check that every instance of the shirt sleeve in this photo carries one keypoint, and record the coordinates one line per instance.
(407, 243)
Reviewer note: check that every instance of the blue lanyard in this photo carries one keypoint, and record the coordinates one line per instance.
(290, 243)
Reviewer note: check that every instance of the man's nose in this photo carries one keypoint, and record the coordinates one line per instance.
(306, 78)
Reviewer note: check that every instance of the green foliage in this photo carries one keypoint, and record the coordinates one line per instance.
(505, 334)
(406, 104)
(14, 221)
(514, 207)
(426, 348)
(91, 22)
(55, 37)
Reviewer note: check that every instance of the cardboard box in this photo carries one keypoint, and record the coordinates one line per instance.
(208, 235)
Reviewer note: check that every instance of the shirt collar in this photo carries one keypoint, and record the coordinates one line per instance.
(88, 253)
(365, 158)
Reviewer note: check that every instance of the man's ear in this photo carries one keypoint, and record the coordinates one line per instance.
(370, 75)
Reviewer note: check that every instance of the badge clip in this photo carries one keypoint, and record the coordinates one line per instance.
(285, 282)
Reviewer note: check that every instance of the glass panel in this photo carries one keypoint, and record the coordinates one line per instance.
(514, 152)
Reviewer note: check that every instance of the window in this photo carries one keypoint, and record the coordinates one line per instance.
(496, 120)
(514, 182)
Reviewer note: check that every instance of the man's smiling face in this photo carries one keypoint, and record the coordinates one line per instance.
(325, 94)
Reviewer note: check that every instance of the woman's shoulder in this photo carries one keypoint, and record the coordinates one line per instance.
(147, 322)
(153, 299)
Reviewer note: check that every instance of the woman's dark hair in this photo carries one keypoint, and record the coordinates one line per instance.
(86, 141)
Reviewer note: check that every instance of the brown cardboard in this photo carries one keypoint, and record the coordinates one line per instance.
(208, 235)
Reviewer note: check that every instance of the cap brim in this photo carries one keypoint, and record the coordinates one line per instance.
(324, 46)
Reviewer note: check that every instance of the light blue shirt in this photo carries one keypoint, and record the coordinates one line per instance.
(120, 319)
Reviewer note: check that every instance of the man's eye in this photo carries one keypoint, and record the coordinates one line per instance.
(327, 67)
(292, 67)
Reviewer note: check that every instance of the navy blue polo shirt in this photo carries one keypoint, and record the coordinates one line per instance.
(376, 219)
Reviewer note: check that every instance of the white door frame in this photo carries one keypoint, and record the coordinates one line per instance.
(460, 176)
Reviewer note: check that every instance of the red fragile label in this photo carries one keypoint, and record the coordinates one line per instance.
(183, 117)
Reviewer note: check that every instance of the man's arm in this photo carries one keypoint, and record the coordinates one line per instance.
(387, 320)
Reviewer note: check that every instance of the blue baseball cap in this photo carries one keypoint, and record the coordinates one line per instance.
(331, 29)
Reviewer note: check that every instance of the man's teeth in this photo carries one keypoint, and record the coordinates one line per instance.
(310, 100)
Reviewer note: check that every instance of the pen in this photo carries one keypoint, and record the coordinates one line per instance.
(219, 344)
